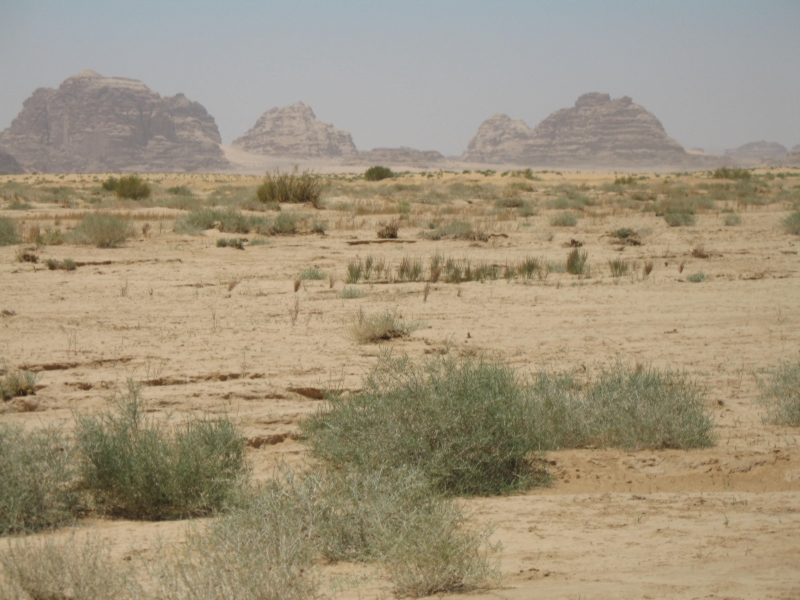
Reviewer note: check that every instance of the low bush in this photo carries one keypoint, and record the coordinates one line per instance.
(17, 383)
(791, 224)
(350, 293)
(388, 231)
(237, 243)
(8, 232)
(132, 187)
(780, 395)
(679, 217)
(465, 425)
(733, 220)
(313, 273)
(226, 221)
(66, 265)
(370, 329)
(619, 267)
(179, 190)
(457, 230)
(284, 224)
(45, 569)
(576, 262)
(293, 187)
(731, 173)
(378, 173)
(138, 468)
(564, 220)
(110, 184)
(36, 470)
(696, 277)
(101, 230)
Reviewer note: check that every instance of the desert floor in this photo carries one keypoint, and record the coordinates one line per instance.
(211, 329)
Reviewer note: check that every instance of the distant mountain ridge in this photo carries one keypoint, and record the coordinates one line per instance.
(93, 123)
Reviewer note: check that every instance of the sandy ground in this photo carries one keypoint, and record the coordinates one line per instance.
(212, 329)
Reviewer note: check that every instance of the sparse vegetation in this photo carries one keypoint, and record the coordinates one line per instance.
(388, 231)
(564, 220)
(457, 230)
(791, 224)
(139, 468)
(732, 220)
(619, 267)
(14, 384)
(696, 277)
(679, 217)
(179, 190)
(576, 262)
(37, 474)
(8, 232)
(731, 173)
(350, 293)
(292, 187)
(780, 395)
(237, 243)
(101, 230)
(313, 273)
(378, 173)
(388, 325)
(132, 187)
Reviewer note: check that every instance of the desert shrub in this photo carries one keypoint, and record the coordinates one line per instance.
(576, 262)
(237, 243)
(732, 220)
(529, 266)
(37, 474)
(313, 273)
(319, 227)
(632, 408)
(17, 204)
(696, 277)
(457, 230)
(138, 468)
(409, 269)
(731, 173)
(629, 180)
(370, 329)
(618, 267)
(355, 271)
(227, 221)
(14, 384)
(8, 232)
(564, 220)
(465, 425)
(132, 187)
(179, 190)
(624, 233)
(67, 264)
(45, 569)
(26, 255)
(791, 224)
(780, 395)
(285, 224)
(101, 230)
(293, 187)
(350, 293)
(388, 231)
(679, 217)
(377, 173)
(110, 184)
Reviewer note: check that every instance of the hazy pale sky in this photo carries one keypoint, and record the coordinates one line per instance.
(425, 74)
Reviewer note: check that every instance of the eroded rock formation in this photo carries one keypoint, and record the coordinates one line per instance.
(597, 131)
(295, 132)
(758, 151)
(93, 123)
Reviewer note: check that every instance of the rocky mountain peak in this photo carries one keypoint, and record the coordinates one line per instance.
(592, 99)
(294, 131)
(96, 123)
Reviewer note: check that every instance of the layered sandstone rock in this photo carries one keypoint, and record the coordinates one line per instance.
(294, 132)
(597, 131)
(9, 164)
(758, 151)
(404, 157)
(93, 123)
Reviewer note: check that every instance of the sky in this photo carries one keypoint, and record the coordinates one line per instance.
(426, 73)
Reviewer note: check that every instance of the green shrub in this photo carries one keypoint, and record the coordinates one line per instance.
(350, 293)
(237, 243)
(285, 224)
(138, 468)
(8, 232)
(457, 230)
(576, 262)
(227, 221)
(306, 187)
(624, 233)
(101, 230)
(17, 383)
(619, 267)
(679, 217)
(780, 395)
(377, 173)
(110, 184)
(729, 173)
(313, 273)
(132, 187)
(732, 220)
(464, 425)
(38, 480)
(791, 224)
(179, 190)
(370, 329)
(564, 220)
(696, 277)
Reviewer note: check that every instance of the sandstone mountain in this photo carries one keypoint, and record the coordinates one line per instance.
(793, 157)
(407, 157)
(758, 151)
(9, 164)
(597, 131)
(94, 123)
(294, 132)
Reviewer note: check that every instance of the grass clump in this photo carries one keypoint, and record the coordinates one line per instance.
(780, 395)
(350, 293)
(66, 265)
(38, 476)
(388, 231)
(464, 425)
(576, 262)
(313, 273)
(791, 224)
(226, 221)
(732, 220)
(619, 267)
(17, 383)
(179, 190)
(45, 569)
(457, 230)
(102, 230)
(237, 243)
(138, 468)
(132, 187)
(378, 173)
(679, 216)
(731, 173)
(370, 329)
(292, 187)
(564, 220)
(8, 232)
(696, 277)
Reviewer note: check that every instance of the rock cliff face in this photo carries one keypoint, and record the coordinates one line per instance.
(758, 150)
(93, 123)
(9, 164)
(402, 156)
(295, 132)
(597, 131)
